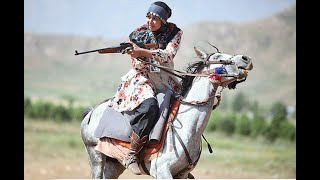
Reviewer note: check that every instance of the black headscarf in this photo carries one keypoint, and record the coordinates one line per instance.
(161, 9)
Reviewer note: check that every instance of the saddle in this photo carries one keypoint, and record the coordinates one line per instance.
(115, 143)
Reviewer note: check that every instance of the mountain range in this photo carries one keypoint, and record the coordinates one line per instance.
(51, 69)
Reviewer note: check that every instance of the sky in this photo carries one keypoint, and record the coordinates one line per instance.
(117, 18)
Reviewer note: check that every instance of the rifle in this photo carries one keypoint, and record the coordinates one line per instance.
(119, 49)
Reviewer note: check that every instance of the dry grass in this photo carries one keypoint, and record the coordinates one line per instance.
(55, 151)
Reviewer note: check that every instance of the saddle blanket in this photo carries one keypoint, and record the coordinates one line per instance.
(118, 149)
(116, 125)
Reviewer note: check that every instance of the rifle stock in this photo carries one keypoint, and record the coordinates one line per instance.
(118, 49)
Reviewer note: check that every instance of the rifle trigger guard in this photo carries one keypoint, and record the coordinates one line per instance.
(126, 49)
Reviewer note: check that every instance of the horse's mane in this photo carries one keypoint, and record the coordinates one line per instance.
(193, 68)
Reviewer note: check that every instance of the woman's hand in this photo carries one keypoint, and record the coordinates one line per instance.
(137, 51)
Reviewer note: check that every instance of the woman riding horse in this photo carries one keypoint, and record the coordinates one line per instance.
(137, 93)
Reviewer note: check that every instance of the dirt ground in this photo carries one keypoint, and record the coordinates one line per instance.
(79, 169)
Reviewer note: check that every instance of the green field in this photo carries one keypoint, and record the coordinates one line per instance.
(55, 150)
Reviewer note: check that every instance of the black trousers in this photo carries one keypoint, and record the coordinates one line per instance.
(145, 117)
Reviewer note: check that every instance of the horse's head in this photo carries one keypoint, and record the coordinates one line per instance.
(225, 69)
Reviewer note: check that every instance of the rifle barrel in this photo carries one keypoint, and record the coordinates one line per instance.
(117, 49)
(84, 52)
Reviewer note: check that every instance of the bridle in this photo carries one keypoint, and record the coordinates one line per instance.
(208, 73)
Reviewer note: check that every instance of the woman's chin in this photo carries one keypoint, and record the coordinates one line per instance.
(153, 28)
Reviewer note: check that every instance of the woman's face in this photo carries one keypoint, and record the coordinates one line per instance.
(154, 22)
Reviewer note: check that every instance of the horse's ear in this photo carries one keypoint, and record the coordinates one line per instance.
(200, 53)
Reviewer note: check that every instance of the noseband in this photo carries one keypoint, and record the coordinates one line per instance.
(207, 62)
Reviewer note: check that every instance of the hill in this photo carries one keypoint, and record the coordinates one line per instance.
(52, 70)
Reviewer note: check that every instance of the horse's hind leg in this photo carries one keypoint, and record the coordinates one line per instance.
(96, 161)
(113, 168)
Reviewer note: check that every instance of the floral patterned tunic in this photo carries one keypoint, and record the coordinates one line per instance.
(140, 84)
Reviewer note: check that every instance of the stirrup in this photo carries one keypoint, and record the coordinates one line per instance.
(134, 168)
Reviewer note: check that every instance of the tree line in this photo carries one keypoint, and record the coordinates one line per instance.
(239, 116)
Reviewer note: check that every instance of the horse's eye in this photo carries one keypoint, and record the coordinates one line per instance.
(246, 58)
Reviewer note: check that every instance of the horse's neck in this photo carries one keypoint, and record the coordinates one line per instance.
(200, 89)
(194, 119)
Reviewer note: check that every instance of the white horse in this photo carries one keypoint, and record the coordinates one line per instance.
(182, 145)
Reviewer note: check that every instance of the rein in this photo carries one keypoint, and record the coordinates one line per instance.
(207, 73)
(180, 74)
(203, 101)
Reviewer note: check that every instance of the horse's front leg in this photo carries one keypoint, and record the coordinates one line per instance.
(97, 162)
(161, 171)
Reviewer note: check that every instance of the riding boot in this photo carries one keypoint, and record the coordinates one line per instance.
(131, 160)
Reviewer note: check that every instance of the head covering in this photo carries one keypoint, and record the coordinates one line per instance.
(161, 9)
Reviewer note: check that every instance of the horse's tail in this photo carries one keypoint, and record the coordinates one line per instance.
(86, 111)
